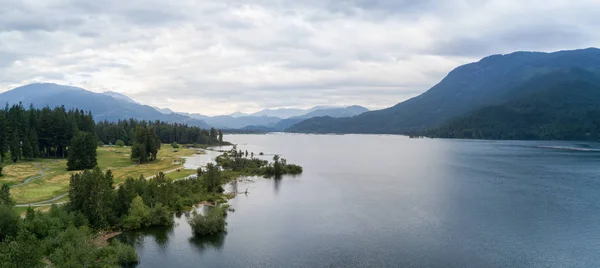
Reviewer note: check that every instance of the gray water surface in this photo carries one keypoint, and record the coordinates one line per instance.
(390, 201)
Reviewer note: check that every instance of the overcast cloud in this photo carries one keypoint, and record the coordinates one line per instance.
(216, 57)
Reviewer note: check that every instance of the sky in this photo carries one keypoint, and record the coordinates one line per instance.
(218, 57)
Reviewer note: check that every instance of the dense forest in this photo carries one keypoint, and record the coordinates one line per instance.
(557, 106)
(48, 132)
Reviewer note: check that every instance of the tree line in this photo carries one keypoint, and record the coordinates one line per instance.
(31, 133)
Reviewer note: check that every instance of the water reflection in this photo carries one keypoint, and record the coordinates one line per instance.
(160, 236)
(209, 242)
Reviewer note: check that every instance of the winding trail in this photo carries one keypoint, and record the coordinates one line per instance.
(44, 203)
(30, 179)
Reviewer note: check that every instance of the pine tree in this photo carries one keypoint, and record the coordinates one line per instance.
(27, 150)
(5, 198)
(33, 138)
(15, 147)
(3, 135)
(220, 136)
(82, 152)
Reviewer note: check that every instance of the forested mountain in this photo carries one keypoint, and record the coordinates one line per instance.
(112, 107)
(562, 105)
(469, 87)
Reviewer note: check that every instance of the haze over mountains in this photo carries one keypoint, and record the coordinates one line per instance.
(494, 80)
(113, 106)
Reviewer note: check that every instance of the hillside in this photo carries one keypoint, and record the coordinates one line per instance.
(331, 112)
(562, 105)
(109, 107)
(489, 81)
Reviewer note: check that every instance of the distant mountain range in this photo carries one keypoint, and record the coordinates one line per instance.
(492, 81)
(113, 106)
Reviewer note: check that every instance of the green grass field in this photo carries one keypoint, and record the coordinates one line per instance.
(54, 180)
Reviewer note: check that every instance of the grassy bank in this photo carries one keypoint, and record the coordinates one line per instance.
(49, 177)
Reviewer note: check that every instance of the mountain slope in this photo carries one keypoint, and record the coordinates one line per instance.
(104, 107)
(464, 89)
(120, 96)
(324, 111)
(563, 105)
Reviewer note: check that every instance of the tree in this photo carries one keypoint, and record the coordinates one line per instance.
(82, 152)
(3, 135)
(146, 144)
(35, 146)
(139, 214)
(277, 167)
(119, 143)
(15, 147)
(212, 222)
(9, 222)
(5, 199)
(27, 150)
(212, 178)
(220, 136)
(213, 135)
(92, 193)
(175, 145)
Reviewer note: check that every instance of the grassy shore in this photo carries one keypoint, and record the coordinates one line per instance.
(51, 179)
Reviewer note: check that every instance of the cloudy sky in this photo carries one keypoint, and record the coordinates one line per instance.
(217, 57)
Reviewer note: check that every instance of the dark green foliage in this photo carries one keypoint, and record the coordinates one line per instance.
(33, 139)
(82, 152)
(211, 223)
(92, 193)
(238, 162)
(465, 89)
(220, 136)
(9, 222)
(21, 251)
(4, 135)
(213, 135)
(557, 106)
(160, 216)
(145, 145)
(15, 147)
(119, 143)
(175, 145)
(212, 178)
(138, 216)
(5, 198)
(1, 167)
(27, 150)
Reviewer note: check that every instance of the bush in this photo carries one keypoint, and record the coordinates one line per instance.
(139, 214)
(1, 167)
(9, 222)
(160, 216)
(126, 254)
(212, 222)
(175, 145)
(119, 143)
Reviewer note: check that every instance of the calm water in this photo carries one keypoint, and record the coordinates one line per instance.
(390, 201)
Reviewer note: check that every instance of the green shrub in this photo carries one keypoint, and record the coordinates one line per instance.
(212, 222)
(119, 143)
(175, 145)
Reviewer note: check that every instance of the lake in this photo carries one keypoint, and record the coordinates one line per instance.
(391, 201)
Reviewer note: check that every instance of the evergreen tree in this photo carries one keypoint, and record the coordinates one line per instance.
(213, 135)
(212, 178)
(3, 135)
(220, 136)
(27, 150)
(33, 138)
(5, 199)
(92, 193)
(15, 147)
(146, 144)
(82, 152)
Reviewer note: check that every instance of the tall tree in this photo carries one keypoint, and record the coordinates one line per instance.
(92, 193)
(212, 178)
(15, 147)
(213, 135)
(146, 144)
(27, 150)
(33, 138)
(220, 135)
(82, 152)
(3, 135)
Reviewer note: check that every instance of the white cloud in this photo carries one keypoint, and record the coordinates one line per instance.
(216, 57)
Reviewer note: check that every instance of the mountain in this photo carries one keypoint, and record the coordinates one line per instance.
(561, 105)
(164, 110)
(238, 114)
(120, 96)
(469, 87)
(281, 112)
(109, 107)
(318, 112)
(230, 122)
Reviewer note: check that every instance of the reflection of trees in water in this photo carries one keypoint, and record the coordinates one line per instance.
(276, 183)
(208, 242)
(160, 235)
